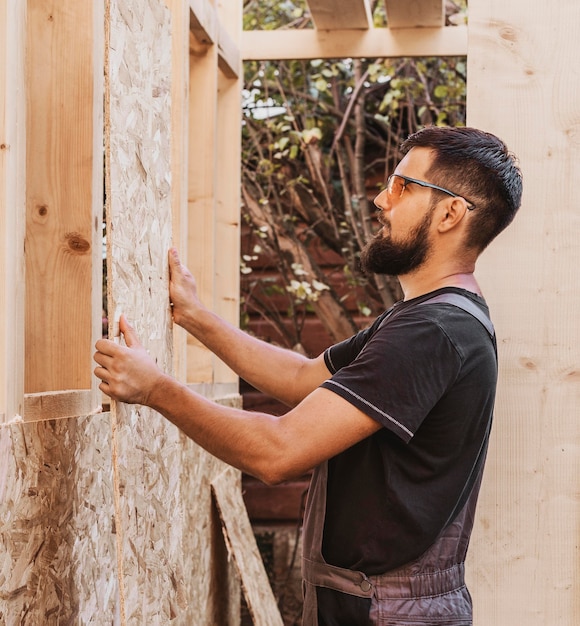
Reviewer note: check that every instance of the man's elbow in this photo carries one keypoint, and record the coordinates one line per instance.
(272, 474)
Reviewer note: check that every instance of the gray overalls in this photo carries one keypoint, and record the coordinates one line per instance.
(429, 591)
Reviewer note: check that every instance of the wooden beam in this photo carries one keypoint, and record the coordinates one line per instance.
(60, 219)
(208, 30)
(12, 205)
(264, 45)
(203, 21)
(201, 254)
(180, 18)
(340, 14)
(415, 13)
(40, 407)
(229, 58)
(228, 200)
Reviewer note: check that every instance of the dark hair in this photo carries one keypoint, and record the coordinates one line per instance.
(478, 166)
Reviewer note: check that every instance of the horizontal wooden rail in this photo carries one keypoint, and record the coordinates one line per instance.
(59, 404)
(264, 45)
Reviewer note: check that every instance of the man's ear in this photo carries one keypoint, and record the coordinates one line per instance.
(451, 212)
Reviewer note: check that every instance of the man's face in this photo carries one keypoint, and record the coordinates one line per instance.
(403, 244)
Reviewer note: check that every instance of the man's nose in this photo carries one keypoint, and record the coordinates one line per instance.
(382, 200)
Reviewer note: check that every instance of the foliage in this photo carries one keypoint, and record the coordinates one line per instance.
(319, 140)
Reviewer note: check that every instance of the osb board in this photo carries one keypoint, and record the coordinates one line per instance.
(524, 84)
(60, 223)
(145, 446)
(212, 585)
(171, 567)
(57, 548)
(242, 545)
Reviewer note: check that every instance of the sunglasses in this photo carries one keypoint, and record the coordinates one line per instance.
(396, 185)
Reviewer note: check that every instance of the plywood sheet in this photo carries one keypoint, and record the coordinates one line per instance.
(524, 85)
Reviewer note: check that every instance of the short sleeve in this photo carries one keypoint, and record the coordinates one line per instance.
(400, 373)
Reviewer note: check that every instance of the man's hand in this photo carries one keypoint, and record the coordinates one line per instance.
(182, 291)
(128, 373)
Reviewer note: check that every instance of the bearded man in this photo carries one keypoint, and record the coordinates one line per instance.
(394, 421)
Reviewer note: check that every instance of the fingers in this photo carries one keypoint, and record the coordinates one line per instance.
(174, 261)
(131, 339)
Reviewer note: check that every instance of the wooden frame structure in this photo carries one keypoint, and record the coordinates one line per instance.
(78, 539)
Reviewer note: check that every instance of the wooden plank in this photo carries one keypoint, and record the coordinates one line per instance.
(12, 206)
(201, 192)
(228, 200)
(340, 14)
(415, 13)
(59, 225)
(204, 23)
(524, 559)
(244, 551)
(229, 58)
(180, 17)
(58, 404)
(208, 30)
(340, 44)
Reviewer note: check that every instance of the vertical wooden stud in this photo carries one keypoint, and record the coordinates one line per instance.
(229, 137)
(179, 153)
(60, 221)
(201, 192)
(12, 206)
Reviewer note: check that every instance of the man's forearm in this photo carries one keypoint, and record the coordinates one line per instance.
(251, 442)
(281, 373)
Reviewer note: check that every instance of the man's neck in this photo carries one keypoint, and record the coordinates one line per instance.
(415, 285)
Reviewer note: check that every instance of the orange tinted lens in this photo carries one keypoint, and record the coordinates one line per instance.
(396, 186)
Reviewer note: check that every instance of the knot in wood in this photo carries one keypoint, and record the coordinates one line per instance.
(77, 243)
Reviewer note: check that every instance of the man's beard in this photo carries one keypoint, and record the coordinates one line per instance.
(382, 255)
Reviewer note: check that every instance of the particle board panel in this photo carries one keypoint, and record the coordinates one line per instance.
(212, 584)
(264, 45)
(525, 555)
(242, 546)
(57, 547)
(59, 196)
(138, 163)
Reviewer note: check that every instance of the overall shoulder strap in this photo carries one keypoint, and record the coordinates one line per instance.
(463, 302)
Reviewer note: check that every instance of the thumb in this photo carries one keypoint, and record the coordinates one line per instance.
(174, 260)
(131, 339)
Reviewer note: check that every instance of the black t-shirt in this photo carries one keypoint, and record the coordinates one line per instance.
(428, 374)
